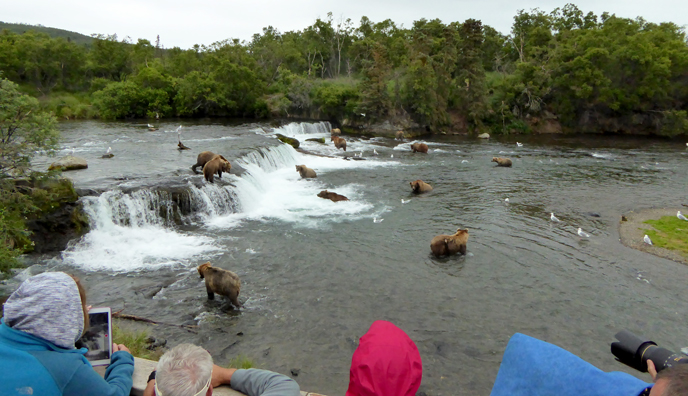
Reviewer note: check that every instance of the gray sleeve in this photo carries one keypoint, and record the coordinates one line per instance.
(254, 382)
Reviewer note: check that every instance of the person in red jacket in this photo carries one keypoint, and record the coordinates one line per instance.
(386, 363)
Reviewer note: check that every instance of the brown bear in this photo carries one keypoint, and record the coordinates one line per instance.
(399, 135)
(336, 131)
(339, 143)
(305, 172)
(419, 147)
(420, 186)
(217, 165)
(332, 196)
(203, 159)
(502, 161)
(221, 281)
(445, 245)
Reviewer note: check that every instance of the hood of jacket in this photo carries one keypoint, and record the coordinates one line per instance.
(386, 363)
(47, 306)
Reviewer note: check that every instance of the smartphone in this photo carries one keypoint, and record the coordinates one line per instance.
(98, 338)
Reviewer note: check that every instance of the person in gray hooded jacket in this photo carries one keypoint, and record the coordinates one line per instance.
(41, 322)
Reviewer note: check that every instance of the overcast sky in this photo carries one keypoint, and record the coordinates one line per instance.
(183, 23)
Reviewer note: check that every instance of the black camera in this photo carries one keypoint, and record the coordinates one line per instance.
(635, 351)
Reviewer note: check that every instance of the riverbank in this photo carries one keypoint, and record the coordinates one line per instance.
(632, 231)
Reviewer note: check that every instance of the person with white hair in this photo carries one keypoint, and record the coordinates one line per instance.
(188, 370)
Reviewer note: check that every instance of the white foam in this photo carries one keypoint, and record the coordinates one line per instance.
(272, 189)
(602, 155)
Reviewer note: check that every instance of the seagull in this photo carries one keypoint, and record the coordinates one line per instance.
(554, 218)
(405, 201)
(506, 200)
(391, 156)
(583, 234)
(362, 114)
(376, 220)
(109, 151)
(375, 152)
(519, 144)
(464, 161)
(647, 240)
(150, 126)
(361, 154)
(680, 216)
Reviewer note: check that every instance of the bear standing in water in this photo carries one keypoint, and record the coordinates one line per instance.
(339, 143)
(216, 165)
(502, 161)
(305, 172)
(445, 245)
(419, 147)
(221, 281)
(420, 186)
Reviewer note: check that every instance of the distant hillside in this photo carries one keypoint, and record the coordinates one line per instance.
(52, 32)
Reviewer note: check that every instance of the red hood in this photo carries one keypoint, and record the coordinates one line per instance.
(386, 363)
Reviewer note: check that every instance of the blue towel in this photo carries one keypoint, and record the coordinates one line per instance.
(532, 367)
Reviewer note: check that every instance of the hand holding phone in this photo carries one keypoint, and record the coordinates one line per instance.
(98, 338)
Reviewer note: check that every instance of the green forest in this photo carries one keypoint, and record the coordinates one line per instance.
(559, 71)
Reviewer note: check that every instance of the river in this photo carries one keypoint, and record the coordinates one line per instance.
(315, 274)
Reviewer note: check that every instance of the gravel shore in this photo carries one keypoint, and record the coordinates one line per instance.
(632, 230)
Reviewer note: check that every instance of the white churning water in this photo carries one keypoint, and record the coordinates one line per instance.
(138, 230)
(131, 232)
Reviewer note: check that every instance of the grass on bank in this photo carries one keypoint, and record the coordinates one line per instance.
(241, 362)
(669, 233)
(137, 341)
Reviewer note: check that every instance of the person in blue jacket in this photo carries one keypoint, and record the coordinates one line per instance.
(531, 367)
(41, 322)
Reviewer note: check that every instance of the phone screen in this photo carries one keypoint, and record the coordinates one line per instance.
(97, 339)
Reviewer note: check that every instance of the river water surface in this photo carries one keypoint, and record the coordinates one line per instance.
(315, 274)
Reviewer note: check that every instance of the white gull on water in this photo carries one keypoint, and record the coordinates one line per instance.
(554, 218)
(583, 234)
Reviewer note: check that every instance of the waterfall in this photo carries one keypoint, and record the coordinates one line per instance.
(304, 128)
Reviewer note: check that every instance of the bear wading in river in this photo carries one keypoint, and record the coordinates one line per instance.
(339, 143)
(217, 165)
(419, 147)
(420, 186)
(221, 281)
(445, 245)
(502, 161)
(399, 135)
(332, 196)
(336, 131)
(305, 172)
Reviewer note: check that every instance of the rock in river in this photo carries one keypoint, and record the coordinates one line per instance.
(69, 163)
(293, 142)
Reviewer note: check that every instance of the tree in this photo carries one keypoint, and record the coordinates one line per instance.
(24, 130)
